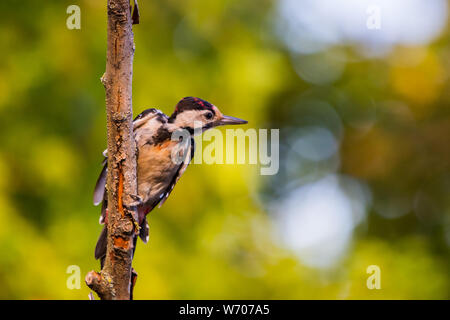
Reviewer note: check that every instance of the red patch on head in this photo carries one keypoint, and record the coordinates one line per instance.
(201, 103)
(190, 103)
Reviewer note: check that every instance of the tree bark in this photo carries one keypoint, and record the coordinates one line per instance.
(114, 280)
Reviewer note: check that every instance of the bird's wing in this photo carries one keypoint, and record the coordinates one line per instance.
(148, 115)
(152, 118)
(101, 183)
(181, 169)
(147, 124)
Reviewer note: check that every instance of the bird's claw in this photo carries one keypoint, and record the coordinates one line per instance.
(137, 227)
(131, 211)
(137, 201)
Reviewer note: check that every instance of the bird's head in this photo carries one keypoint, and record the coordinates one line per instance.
(192, 113)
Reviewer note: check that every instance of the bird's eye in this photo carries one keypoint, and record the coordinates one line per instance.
(209, 115)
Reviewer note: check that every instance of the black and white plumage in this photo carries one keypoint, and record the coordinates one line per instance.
(157, 172)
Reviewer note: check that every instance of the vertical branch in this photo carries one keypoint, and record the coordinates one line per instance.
(114, 280)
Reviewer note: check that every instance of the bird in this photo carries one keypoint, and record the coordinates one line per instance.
(157, 169)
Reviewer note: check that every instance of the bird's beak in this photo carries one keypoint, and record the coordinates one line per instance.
(226, 120)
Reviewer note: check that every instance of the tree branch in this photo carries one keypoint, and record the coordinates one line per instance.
(114, 281)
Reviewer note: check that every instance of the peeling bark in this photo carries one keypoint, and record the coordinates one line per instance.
(114, 281)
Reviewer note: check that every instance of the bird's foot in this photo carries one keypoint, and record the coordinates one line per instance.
(136, 197)
(135, 203)
(132, 207)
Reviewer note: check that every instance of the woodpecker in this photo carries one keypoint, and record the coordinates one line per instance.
(157, 168)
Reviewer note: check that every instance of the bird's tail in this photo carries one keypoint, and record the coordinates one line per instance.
(100, 248)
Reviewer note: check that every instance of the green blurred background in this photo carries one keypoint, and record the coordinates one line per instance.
(364, 123)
